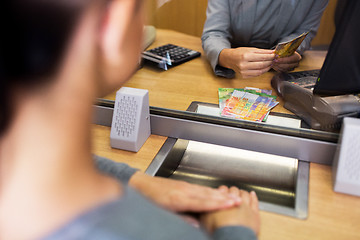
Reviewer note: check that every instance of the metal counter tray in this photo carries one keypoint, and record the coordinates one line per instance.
(281, 183)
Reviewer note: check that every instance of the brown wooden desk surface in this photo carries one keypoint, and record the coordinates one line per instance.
(331, 215)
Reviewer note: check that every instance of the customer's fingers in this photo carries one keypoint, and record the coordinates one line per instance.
(223, 189)
(190, 220)
(254, 201)
(234, 191)
(245, 197)
(198, 198)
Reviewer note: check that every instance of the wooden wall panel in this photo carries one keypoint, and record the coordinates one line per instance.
(327, 25)
(186, 16)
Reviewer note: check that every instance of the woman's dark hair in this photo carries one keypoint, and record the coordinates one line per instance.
(34, 34)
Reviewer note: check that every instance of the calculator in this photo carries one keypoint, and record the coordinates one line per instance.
(169, 55)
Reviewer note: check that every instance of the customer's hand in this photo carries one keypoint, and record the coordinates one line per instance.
(247, 61)
(180, 196)
(286, 64)
(247, 214)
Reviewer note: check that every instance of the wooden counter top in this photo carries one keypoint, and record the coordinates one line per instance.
(331, 215)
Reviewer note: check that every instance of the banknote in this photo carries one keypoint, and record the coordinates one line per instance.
(286, 49)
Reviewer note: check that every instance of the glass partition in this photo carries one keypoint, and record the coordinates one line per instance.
(190, 90)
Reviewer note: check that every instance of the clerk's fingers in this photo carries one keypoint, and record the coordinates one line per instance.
(253, 73)
(255, 65)
(285, 67)
(262, 50)
(259, 55)
(295, 58)
(287, 63)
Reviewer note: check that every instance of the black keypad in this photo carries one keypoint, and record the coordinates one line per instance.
(176, 53)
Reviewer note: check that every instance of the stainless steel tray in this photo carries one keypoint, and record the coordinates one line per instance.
(281, 183)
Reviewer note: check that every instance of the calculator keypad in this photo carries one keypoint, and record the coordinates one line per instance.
(176, 53)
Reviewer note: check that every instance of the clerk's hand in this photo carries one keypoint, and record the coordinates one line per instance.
(286, 64)
(247, 61)
(246, 214)
(180, 196)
